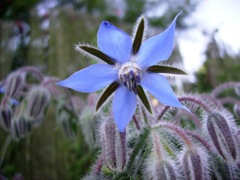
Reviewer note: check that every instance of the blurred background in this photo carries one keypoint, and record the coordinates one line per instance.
(42, 33)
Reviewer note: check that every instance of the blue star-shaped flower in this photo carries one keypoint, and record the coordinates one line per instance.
(131, 65)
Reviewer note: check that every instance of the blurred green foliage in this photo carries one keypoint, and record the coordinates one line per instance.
(221, 65)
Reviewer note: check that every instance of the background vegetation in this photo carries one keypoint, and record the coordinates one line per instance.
(42, 34)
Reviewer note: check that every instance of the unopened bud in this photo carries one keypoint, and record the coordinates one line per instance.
(18, 176)
(14, 84)
(87, 121)
(38, 100)
(5, 116)
(21, 126)
(194, 164)
(113, 145)
(222, 169)
(158, 165)
(236, 110)
(68, 123)
(222, 136)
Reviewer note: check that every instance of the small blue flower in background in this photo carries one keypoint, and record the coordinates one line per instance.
(12, 100)
(130, 66)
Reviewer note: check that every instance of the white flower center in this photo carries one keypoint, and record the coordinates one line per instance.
(130, 75)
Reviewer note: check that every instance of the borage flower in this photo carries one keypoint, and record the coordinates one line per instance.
(130, 65)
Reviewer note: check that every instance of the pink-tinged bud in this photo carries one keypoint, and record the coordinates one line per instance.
(68, 123)
(222, 135)
(18, 176)
(14, 84)
(237, 110)
(222, 169)
(158, 165)
(5, 116)
(113, 145)
(38, 99)
(194, 163)
(21, 126)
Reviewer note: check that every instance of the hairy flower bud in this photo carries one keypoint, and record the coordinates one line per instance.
(68, 123)
(222, 169)
(237, 110)
(158, 165)
(15, 83)
(88, 120)
(38, 99)
(194, 163)
(21, 126)
(5, 116)
(113, 146)
(221, 132)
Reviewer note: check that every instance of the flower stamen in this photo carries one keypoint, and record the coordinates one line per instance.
(130, 75)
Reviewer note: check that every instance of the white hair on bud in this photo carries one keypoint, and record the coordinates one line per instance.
(188, 166)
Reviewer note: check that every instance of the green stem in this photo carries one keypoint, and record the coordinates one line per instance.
(4, 149)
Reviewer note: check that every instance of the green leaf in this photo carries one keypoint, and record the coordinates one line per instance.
(138, 36)
(111, 88)
(143, 98)
(140, 144)
(97, 53)
(165, 69)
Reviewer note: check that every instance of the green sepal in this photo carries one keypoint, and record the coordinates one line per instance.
(110, 89)
(97, 53)
(166, 69)
(143, 98)
(139, 146)
(138, 36)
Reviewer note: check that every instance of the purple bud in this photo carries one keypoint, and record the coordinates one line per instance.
(113, 145)
(222, 135)
(194, 164)
(237, 110)
(14, 84)
(68, 123)
(5, 116)
(38, 99)
(21, 126)
(158, 165)
(18, 176)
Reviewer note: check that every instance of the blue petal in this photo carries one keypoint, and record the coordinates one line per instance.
(14, 102)
(160, 88)
(124, 106)
(157, 48)
(114, 42)
(91, 79)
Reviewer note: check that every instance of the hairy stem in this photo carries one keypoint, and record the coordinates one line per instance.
(179, 132)
(193, 99)
(135, 120)
(223, 87)
(98, 165)
(4, 149)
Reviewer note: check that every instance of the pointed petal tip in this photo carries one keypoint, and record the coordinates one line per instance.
(59, 83)
(122, 111)
(157, 48)
(121, 129)
(114, 42)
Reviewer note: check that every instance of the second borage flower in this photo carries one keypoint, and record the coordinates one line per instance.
(130, 65)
